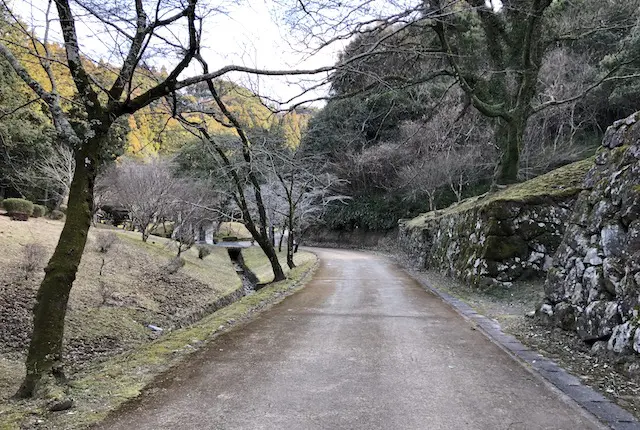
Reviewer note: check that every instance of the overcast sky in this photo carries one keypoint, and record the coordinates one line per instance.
(247, 34)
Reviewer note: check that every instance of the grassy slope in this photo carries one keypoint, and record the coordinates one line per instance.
(235, 229)
(565, 181)
(128, 281)
(254, 259)
(103, 387)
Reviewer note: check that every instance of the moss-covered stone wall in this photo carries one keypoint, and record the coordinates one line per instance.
(498, 238)
(593, 286)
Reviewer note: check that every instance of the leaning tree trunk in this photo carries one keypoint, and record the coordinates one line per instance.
(44, 359)
(270, 252)
(265, 244)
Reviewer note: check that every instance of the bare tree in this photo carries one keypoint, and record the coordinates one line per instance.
(301, 191)
(146, 190)
(444, 154)
(239, 174)
(133, 33)
(57, 171)
(193, 204)
(275, 208)
(53, 173)
(33, 257)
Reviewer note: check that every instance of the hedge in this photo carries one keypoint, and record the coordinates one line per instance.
(18, 209)
(38, 211)
(56, 215)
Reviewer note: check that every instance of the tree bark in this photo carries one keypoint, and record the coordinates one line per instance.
(280, 240)
(509, 137)
(290, 237)
(290, 250)
(269, 251)
(44, 359)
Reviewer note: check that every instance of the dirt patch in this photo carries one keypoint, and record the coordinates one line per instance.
(616, 378)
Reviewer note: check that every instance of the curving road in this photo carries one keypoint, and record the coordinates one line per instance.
(363, 346)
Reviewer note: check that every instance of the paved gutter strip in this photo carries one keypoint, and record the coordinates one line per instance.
(602, 408)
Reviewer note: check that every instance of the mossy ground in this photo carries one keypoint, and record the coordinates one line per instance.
(562, 182)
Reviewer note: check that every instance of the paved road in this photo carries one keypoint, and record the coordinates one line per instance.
(362, 347)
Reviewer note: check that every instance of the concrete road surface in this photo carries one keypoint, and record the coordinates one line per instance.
(363, 346)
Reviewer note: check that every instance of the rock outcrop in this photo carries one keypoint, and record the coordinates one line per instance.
(498, 238)
(593, 286)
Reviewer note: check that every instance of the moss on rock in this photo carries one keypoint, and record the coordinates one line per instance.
(497, 238)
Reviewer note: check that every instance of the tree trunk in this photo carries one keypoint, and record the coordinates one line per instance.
(280, 240)
(270, 252)
(290, 248)
(290, 251)
(272, 235)
(278, 273)
(44, 359)
(265, 244)
(509, 137)
(290, 238)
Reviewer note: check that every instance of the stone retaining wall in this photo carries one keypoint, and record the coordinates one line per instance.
(593, 286)
(498, 238)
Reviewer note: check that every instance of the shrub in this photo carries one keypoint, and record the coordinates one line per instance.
(203, 251)
(175, 264)
(18, 209)
(63, 209)
(38, 211)
(56, 215)
(33, 257)
(105, 240)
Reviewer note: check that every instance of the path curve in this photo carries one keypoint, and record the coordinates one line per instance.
(363, 346)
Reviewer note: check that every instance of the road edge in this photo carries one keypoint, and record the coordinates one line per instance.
(605, 410)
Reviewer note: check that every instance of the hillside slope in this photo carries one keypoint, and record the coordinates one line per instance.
(109, 313)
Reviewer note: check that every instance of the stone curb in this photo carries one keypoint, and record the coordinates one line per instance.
(602, 408)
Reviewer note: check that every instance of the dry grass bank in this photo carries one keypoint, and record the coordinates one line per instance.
(109, 313)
